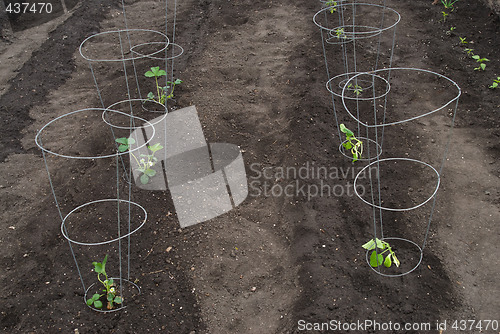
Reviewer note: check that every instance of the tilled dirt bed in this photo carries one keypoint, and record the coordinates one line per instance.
(281, 262)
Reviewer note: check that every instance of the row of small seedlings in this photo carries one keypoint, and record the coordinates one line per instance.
(371, 97)
(140, 63)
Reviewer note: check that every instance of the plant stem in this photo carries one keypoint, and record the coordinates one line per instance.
(157, 89)
(138, 163)
(172, 92)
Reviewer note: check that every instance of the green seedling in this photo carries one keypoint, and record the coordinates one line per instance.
(496, 83)
(155, 72)
(161, 92)
(109, 290)
(339, 33)
(172, 84)
(352, 143)
(463, 40)
(481, 61)
(356, 88)
(481, 67)
(379, 248)
(450, 31)
(448, 4)
(470, 52)
(146, 161)
(445, 15)
(333, 4)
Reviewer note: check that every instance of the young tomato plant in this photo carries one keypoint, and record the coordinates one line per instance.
(482, 65)
(333, 4)
(352, 143)
(161, 91)
(356, 88)
(339, 33)
(463, 40)
(146, 161)
(109, 290)
(496, 83)
(379, 248)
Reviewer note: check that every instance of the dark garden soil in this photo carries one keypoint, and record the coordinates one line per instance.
(255, 71)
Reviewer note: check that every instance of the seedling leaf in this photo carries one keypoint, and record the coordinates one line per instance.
(345, 130)
(470, 52)
(376, 259)
(369, 245)
(122, 148)
(396, 261)
(144, 179)
(104, 262)
(387, 261)
(155, 147)
(380, 243)
(98, 304)
(155, 70)
(97, 267)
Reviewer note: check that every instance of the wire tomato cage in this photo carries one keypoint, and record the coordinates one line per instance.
(401, 184)
(356, 37)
